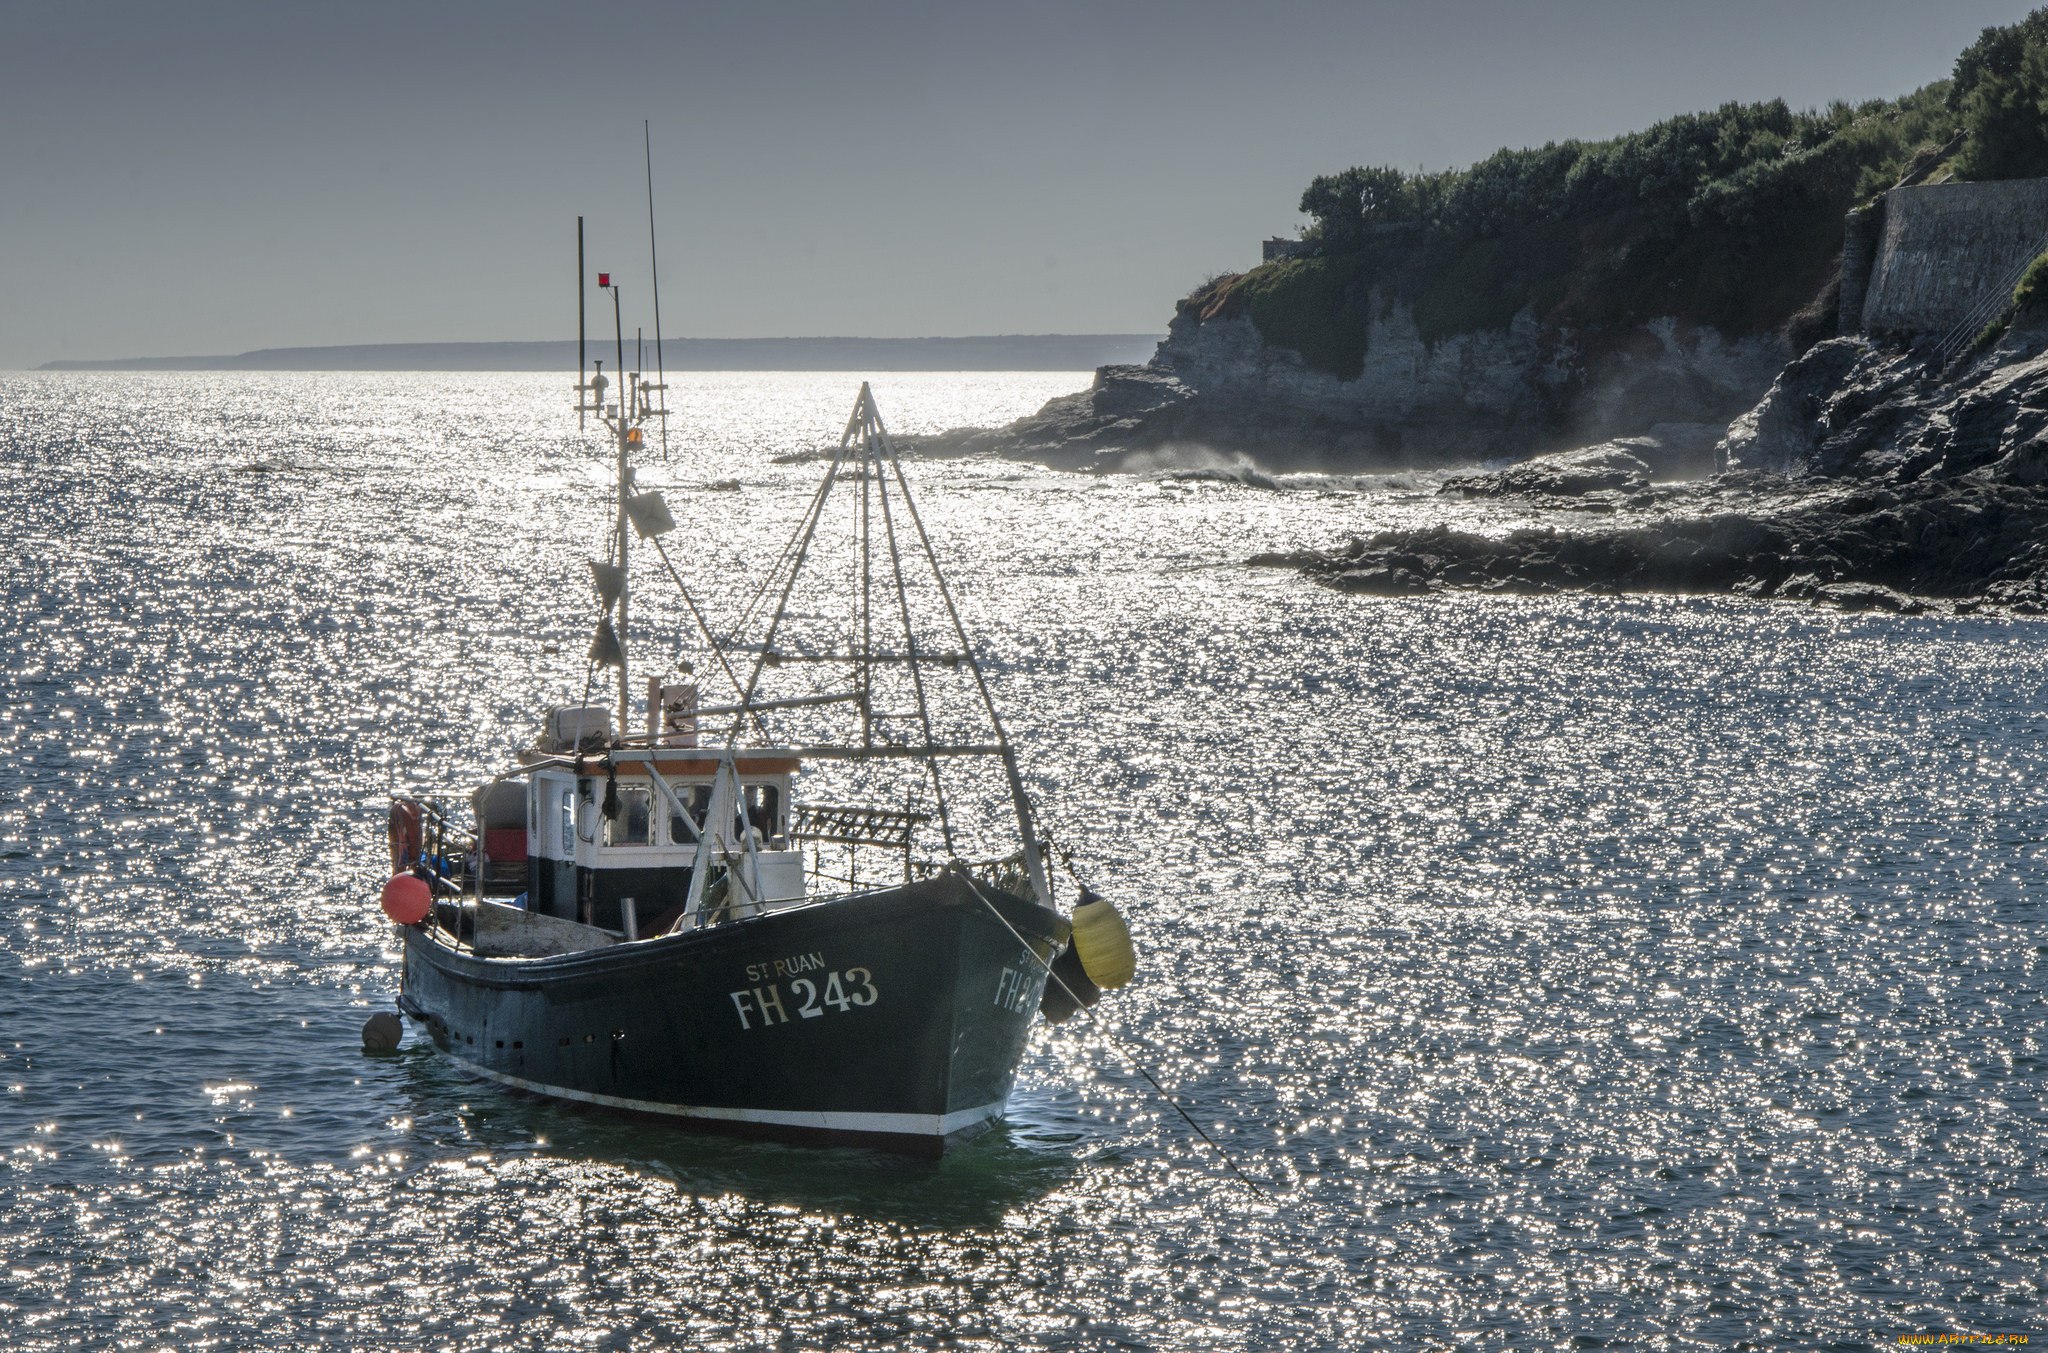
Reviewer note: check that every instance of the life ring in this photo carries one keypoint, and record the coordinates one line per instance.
(405, 833)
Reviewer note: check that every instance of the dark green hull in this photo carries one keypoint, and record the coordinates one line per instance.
(893, 1018)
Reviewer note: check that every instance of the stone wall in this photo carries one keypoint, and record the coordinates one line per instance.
(1860, 232)
(1944, 250)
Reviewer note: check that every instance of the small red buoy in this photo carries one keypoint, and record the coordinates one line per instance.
(407, 899)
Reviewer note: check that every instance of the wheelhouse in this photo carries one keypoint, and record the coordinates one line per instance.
(614, 838)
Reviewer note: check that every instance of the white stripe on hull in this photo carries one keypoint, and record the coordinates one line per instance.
(932, 1125)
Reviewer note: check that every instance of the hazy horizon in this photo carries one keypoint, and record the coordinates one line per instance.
(217, 178)
(826, 352)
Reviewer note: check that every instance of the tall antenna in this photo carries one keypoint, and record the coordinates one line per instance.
(625, 491)
(654, 275)
(580, 400)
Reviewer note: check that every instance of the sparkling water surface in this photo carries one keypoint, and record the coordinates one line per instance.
(1571, 972)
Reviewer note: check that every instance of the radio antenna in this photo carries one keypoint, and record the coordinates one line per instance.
(654, 276)
(581, 394)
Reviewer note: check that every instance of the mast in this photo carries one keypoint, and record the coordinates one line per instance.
(621, 427)
(645, 513)
(581, 388)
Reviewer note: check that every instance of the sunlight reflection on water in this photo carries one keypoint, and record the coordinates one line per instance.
(1658, 971)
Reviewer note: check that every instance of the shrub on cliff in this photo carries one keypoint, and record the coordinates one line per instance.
(1345, 205)
(2033, 287)
(1309, 305)
(1995, 55)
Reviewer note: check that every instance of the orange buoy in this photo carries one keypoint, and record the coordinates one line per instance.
(407, 900)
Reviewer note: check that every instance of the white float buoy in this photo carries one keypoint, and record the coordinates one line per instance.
(382, 1031)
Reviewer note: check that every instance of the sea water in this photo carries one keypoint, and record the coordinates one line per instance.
(1565, 972)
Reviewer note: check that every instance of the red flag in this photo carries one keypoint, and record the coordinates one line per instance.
(604, 279)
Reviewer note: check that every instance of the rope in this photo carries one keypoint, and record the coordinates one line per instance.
(1124, 1052)
(704, 628)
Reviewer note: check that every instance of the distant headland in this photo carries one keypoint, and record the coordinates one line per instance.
(1565, 295)
(991, 352)
(1788, 354)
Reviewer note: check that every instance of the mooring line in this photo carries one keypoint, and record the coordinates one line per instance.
(1122, 1051)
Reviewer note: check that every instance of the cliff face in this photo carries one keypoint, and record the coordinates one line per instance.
(1476, 395)
(1217, 383)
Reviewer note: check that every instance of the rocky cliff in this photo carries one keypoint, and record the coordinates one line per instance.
(1217, 383)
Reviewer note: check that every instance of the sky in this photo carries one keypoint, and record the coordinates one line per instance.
(182, 177)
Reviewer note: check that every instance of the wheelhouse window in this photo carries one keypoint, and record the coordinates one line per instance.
(697, 799)
(763, 811)
(636, 817)
(568, 816)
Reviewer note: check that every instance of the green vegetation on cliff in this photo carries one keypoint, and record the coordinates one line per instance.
(1731, 218)
(2033, 285)
(2000, 93)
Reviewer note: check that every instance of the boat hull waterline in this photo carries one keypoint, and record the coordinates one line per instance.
(892, 1018)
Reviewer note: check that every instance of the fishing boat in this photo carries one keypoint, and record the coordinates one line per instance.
(769, 912)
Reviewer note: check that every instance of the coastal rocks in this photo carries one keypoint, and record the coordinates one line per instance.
(1781, 433)
(1910, 489)
(1611, 474)
(1380, 580)
(1126, 409)
(1676, 451)
(1670, 373)
(1412, 402)
(1840, 399)
(1868, 597)
(1606, 469)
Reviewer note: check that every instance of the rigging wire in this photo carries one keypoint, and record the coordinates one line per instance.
(797, 537)
(591, 664)
(654, 275)
(1025, 809)
(704, 628)
(864, 674)
(802, 549)
(1110, 1037)
(924, 714)
(789, 547)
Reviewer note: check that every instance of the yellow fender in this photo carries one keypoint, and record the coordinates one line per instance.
(1103, 942)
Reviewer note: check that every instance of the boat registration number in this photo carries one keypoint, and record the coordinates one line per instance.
(807, 998)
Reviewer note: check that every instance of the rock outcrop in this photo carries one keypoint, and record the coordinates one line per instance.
(1605, 470)
(1864, 478)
